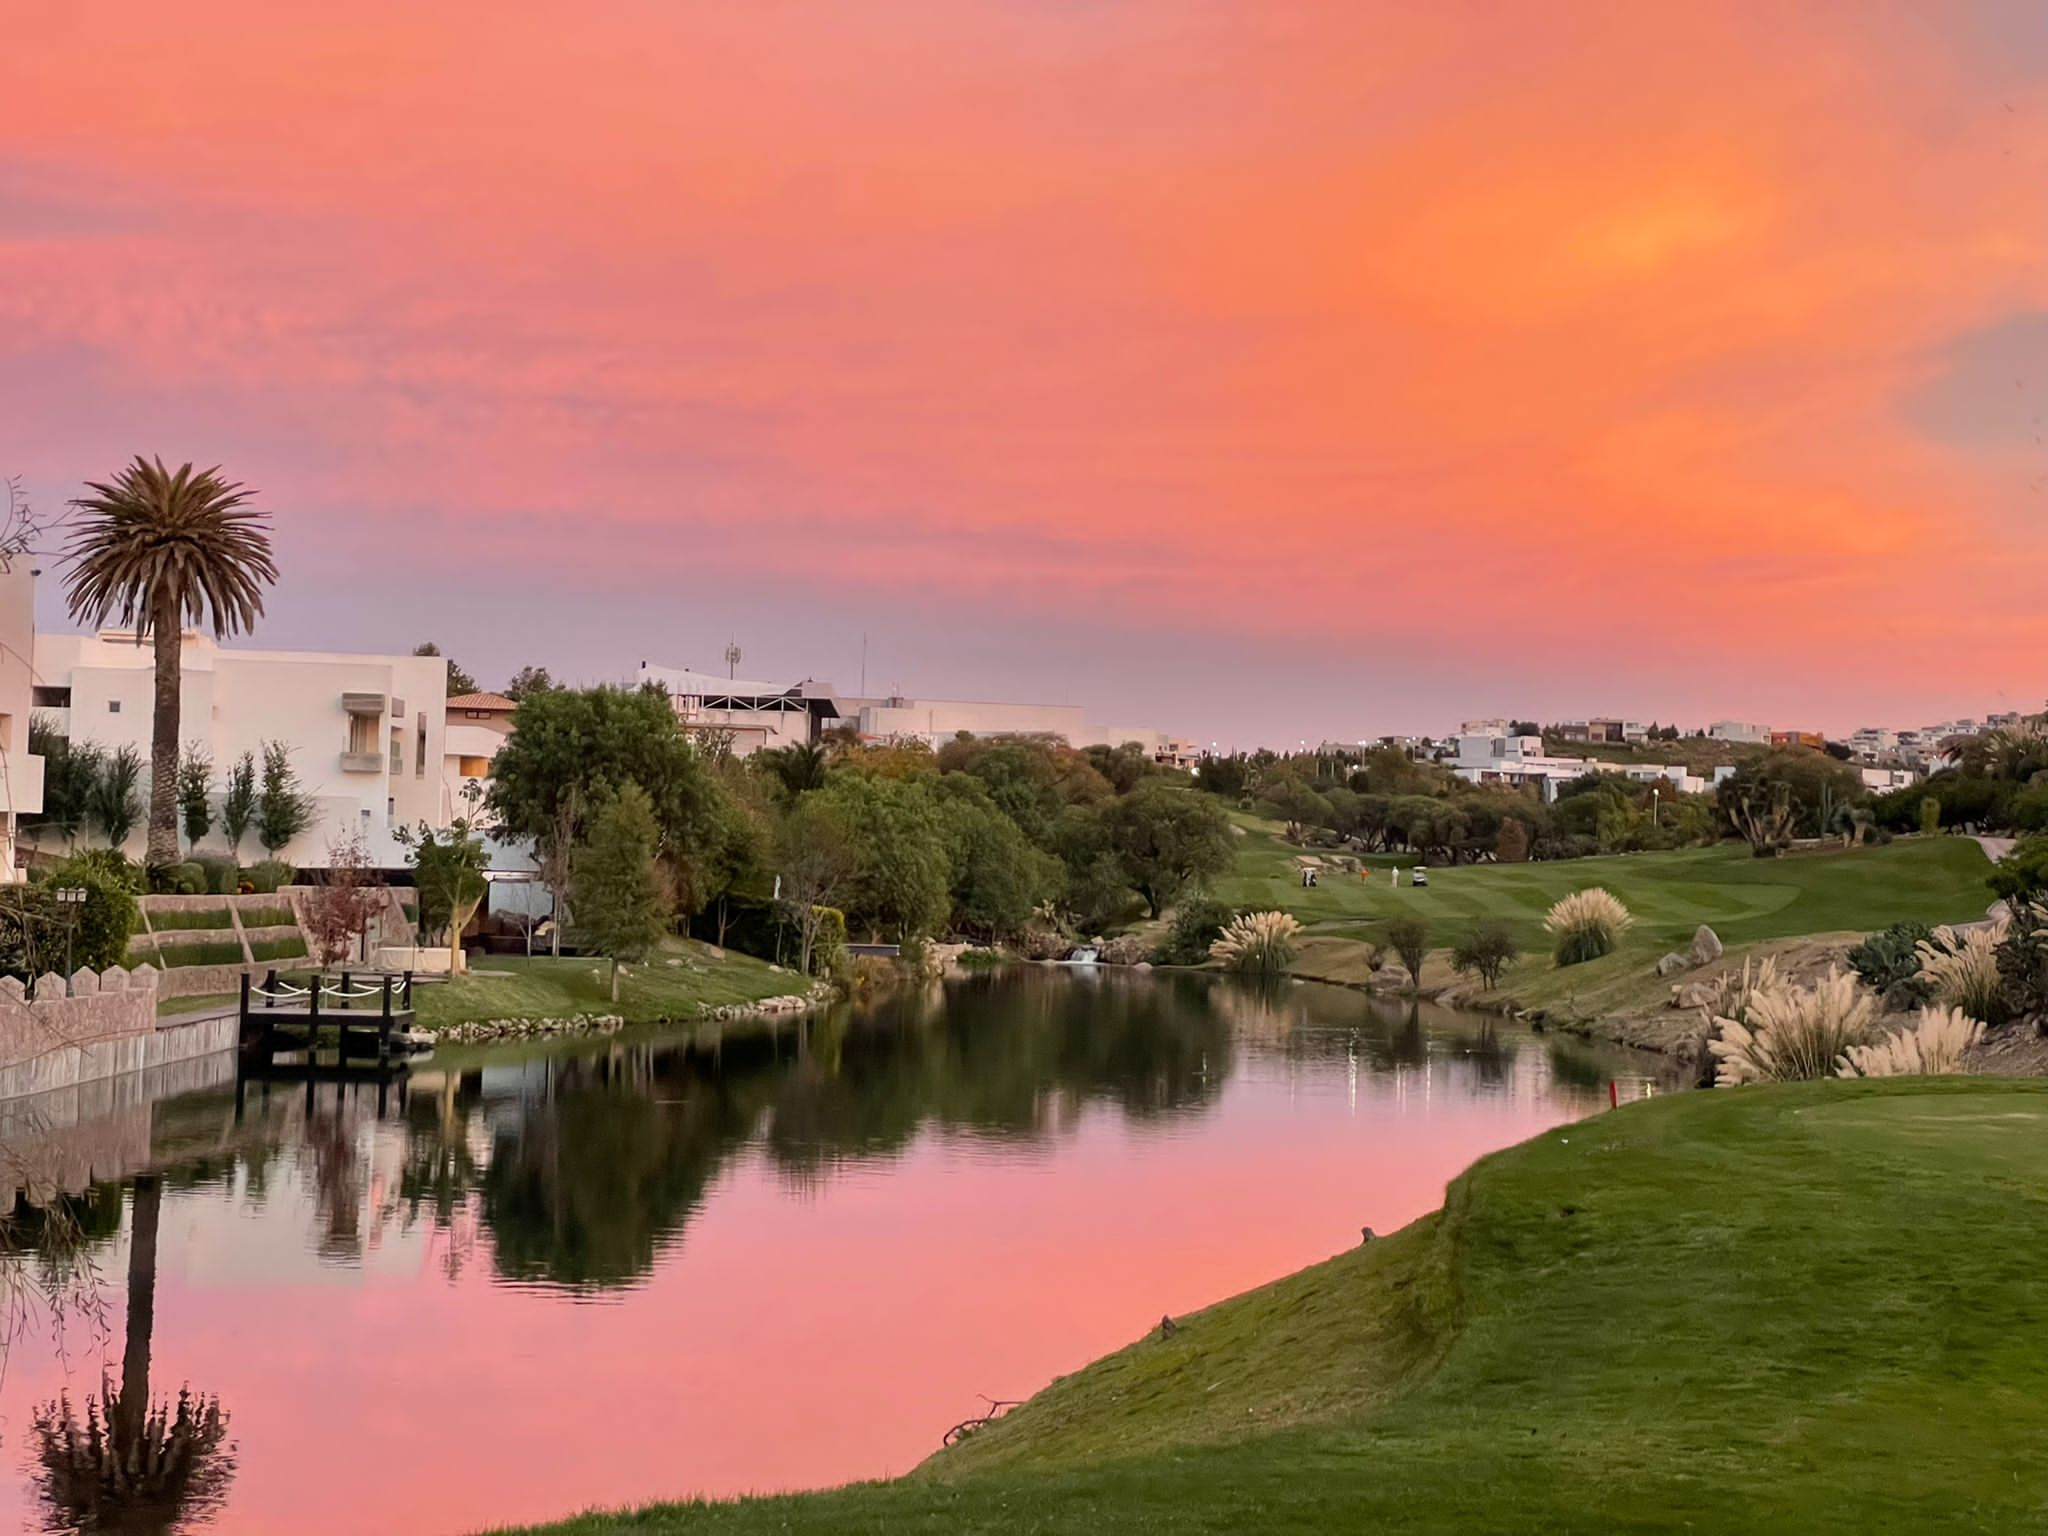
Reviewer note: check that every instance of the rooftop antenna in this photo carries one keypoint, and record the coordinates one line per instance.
(732, 660)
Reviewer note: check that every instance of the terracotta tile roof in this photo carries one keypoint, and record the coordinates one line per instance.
(482, 701)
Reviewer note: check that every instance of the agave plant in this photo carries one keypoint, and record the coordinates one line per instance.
(1933, 1047)
(1587, 924)
(1256, 941)
(1792, 1033)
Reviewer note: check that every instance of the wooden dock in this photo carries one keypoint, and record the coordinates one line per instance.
(362, 1012)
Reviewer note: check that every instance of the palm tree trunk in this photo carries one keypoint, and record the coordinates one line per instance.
(163, 750)
(131, 1410)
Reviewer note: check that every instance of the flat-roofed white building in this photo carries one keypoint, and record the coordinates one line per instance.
(21, 775)
(366, 734)
(756, 716)
(1745, 731)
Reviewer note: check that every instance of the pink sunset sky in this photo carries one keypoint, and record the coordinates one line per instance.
(1264, 372)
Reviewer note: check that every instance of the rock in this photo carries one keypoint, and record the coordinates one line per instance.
(1168, 1327)
(775, 968)
(1706, 946)
(1673, 963)
(1366, 1235)
(1999, 912)
(1695, 995)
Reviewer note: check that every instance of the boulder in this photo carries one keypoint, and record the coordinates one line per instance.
(1673, 963)
(1706, 946)
(1695, 995)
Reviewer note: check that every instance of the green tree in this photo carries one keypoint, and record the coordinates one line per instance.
(573, 748)
(116, 800)
(283, 808)
(1166, 840)
(238, 802)
(797, 768)
(620, 910)
(903, 883)
(525, 682)
(1930, 814)
(448, 870)
(195, 789)
(71, 769)
(460, 680)
(154, 549)
(998, 879)
(1286, 799)
(817, 862)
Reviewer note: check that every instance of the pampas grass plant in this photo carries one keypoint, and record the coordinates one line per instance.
(1586, 925)
(1256, 941)
(1792, 1033)
(1933, 1047)
(1962, 968)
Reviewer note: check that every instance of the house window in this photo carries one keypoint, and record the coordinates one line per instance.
(473, 767)
(50, 698)
(397, 752)
(420, 766)
(113, 706)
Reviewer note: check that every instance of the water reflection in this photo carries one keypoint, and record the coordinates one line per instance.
(1002, 1177)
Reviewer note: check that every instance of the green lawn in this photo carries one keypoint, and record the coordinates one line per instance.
(544, 988)
(1812, 1308)
(1670, 894)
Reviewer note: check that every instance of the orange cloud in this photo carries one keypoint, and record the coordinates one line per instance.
(1337, 327)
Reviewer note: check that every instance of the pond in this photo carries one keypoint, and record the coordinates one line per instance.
(527, 1282)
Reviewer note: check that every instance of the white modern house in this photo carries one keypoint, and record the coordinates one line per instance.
(1484, 757)
(366, 734)
(1746, 731)
(755, 715)
(21, 776)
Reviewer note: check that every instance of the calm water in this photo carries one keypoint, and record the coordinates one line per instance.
(621, 1270)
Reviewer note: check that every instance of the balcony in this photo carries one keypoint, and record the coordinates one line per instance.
(362, 762)
(363, 704)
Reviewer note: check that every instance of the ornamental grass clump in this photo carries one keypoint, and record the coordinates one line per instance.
(1586, 925)
(1933, 1047)
(1962, 970)
(1793, 1033)
(1256, 941)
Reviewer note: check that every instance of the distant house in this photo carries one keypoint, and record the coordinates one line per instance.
(1740, 731)
(478, 724)
(1813, 739)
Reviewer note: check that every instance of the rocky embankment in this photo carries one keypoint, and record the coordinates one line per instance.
(485, 1031)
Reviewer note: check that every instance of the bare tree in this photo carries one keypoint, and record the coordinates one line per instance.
(19, 529)
(338, 910)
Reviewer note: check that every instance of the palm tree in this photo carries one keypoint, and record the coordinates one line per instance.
(134, 1465)
(157, 548)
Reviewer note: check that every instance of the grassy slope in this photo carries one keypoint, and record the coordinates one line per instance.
(542, 988)
(1670, 894)
(1775, 1310)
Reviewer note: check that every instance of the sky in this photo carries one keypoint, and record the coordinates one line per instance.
(1257, 372)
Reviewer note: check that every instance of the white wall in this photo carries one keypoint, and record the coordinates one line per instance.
(21, 776)
(233, 701)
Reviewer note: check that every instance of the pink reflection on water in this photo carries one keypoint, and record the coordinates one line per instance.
(793, 1337)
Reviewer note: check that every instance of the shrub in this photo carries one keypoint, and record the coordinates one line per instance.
(269, 876)
(2022, 874)
(2023, 963)
(222, 874)
(108, 864)
(1962, 971)
(1930, 815)
(289, 948)
(1486, 951)
(1511, 843)
(34, 926)
(1257, 941)
(1586, 925)
(1792, 1033)
(1409, 938)
(1889, 963)
(1196, 924)
(184, 879)
(978, 958)
(828, 948)
(1933, 1047)
(184, 919)
(267, 917)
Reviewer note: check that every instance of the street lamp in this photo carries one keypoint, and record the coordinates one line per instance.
(71, 898)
